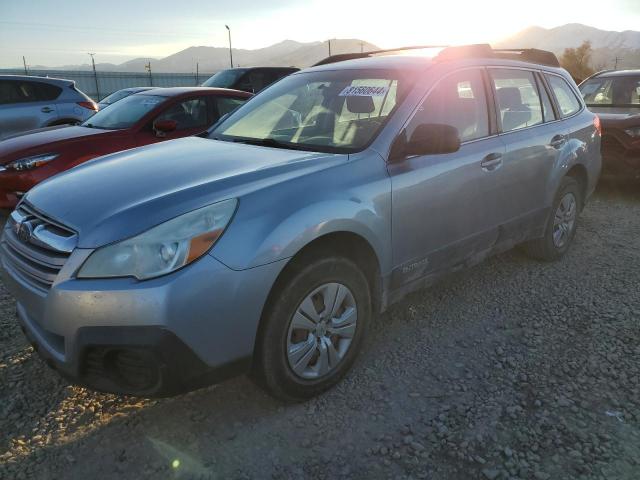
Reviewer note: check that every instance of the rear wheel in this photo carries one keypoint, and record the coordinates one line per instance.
(313, 328)
(561, 226)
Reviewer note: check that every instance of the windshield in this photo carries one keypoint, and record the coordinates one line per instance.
(612, 91)
(331, 111)
(115, 96)
(225, 78)
(124, 113)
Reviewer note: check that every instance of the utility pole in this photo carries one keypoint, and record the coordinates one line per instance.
(329, 41)
(197, 74)
(616, 64)
(24, 62)
(95, 75)
(361, 47)
(230, 50)
(147, 67)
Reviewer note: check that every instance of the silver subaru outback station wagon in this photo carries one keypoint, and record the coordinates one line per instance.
(266, 245)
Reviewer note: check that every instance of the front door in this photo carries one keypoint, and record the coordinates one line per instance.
(445, 207)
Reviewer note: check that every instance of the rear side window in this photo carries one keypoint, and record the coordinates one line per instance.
(47, 92)
(458, 100)
(566, 98)
(518, 100)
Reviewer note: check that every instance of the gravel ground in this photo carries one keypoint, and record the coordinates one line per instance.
(513, 369)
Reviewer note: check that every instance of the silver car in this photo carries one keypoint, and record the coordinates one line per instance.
(268, 245)
(28, 103)
(119, 95)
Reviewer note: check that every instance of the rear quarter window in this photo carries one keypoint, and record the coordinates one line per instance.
(47, 92)
(567, 100)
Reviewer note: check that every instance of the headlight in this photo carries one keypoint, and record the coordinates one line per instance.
(633, 132)
(162, 249)
(28, 163)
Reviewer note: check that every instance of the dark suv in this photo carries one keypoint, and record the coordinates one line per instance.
(250, 80)
(615, 97)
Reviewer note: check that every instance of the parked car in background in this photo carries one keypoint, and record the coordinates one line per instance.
(269, 246)
(615, 97)
(28, 103)
(119, 95)
(140, 119)
(248, 79)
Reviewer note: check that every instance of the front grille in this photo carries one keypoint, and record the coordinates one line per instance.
(36, 247)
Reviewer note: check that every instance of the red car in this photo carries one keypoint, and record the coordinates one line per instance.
(140, 119)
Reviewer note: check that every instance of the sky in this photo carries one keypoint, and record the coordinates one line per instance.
(55, 32)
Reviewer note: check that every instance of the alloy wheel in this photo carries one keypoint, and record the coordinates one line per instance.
(564, 220)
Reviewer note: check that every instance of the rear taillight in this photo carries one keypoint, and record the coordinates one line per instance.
(89, 105)
(596, 123)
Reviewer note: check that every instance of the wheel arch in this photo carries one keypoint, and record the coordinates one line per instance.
(348, 244)
(579, 173)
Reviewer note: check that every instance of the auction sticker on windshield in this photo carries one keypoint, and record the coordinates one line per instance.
(364, 91)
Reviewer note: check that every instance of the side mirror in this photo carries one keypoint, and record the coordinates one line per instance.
(162, 127)
(427, 139)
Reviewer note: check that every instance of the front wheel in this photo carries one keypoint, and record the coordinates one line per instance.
(313, 328)
(561, 226)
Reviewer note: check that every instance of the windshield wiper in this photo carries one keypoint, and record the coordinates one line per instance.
(271, 142)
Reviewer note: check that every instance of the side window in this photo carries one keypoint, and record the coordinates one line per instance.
(518, 100)
(258, 80)
(9, 92)
(227, 105)
(567, 100)
(28, 92)
(46, 92)
(547, 109)
(458, 100)
(187, 114)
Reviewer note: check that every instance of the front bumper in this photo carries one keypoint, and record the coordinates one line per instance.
(158, 337)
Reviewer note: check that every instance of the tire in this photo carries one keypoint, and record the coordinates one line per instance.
(547, 248)
(307, 287)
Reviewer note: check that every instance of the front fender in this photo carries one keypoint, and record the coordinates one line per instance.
(294, 232)
(275, 223)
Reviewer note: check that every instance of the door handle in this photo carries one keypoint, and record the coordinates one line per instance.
(491, 162)
(558, 141)
(46, 109)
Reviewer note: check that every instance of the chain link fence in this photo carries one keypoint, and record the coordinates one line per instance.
(109, 82)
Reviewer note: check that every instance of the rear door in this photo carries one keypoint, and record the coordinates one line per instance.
(534, 140)
(23, 107)
(445, 207)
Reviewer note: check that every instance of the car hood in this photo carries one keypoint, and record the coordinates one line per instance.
(37, 141)
(126, 193)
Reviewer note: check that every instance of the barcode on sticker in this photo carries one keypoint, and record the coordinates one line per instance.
(364, 91)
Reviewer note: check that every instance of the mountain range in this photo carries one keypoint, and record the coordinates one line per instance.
(213, 59)
(607, 46)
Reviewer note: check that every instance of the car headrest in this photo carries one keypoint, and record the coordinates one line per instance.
(509, 97)
(360, 104)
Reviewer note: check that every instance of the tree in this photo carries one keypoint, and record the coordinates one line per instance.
(577, 61)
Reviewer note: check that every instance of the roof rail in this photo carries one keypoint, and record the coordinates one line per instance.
(341, 57)
(481, 50)
(528, 55)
